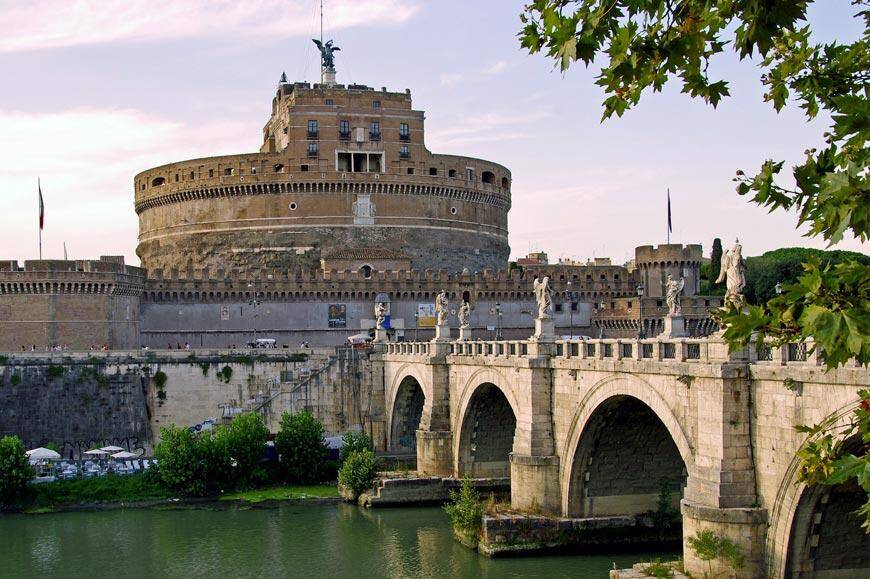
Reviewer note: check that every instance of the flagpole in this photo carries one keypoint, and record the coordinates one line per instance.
(39, 222)
(669, 215)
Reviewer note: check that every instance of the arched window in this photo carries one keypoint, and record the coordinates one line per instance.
(488, 177)
(505, 184)
(366, 271)
(158, 181)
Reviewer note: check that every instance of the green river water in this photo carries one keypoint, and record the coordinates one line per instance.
(287, 541)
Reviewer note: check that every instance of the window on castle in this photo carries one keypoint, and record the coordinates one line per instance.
(192, 176)
(404, 131)
(229, 171)
(376, 104)
(366, 271)
(488, 177)
(313, 150)
(433, 171)
(303, 168)
(279, 168)
(329, 102)
(177, 178)
(404, 153)
(410, 170)
(253, 170)
(312, 129)
(211, 172)
(659, 303)
(469, 174)
(158, 182)
(451, 173)
(375, 131)
(557, 308)
(603, 277)
(344, 129)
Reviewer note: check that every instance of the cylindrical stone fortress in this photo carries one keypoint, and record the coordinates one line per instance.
(340, 167)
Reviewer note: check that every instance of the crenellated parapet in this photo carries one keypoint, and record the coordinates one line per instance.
(654, 264)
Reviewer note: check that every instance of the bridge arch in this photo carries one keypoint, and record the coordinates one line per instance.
(814, 530)
(624, 445)
(485, 427)
(408, 398)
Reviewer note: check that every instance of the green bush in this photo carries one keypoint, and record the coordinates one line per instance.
(55, 371)
(193, 465)
(225, 374)
(138, 487)
(359, 472)
(707, 545)
(353, 442)
(246, 438)
(301, 448)
(465, 510)
(15, 380)
(15, 471)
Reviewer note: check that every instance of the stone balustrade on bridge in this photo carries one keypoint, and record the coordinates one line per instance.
(603, 427)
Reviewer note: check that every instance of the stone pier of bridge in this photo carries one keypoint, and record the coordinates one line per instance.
(603, 427)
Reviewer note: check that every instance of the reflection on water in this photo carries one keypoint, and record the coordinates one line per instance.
(290, 541)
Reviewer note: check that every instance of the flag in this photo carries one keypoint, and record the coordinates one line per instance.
(670, 226)
(41, 207)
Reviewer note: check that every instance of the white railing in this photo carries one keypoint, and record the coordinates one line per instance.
(700, 350)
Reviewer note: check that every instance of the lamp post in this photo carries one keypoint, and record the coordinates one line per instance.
(640, 290)
(571, 303)
(601, 307)
(416, 323)
(498, 315)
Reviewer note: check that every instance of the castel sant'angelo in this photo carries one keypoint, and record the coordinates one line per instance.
(342, 204)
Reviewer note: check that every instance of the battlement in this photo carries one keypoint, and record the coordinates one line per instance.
(667, 254)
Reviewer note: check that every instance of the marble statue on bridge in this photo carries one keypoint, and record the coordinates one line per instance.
(380, 315)
(544, 297)
(464, 315)
(674, 290)
(733, 273)
(442, 306)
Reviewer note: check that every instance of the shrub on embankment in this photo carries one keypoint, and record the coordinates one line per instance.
(15, 471)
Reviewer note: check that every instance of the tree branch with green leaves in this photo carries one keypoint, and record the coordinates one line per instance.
(641, 45)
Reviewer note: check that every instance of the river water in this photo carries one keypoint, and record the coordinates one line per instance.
(287, 541)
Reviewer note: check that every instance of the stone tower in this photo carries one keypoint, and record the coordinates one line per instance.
(654, 264)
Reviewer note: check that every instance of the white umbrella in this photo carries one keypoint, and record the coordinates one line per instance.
(42, 454)
(110, 449)
(96, 452)
(124, 454)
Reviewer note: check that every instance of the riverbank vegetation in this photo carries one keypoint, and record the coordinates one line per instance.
(359, 465)
(230, 462)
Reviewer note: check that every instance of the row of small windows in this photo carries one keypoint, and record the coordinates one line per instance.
(487, 177)
(344, 130)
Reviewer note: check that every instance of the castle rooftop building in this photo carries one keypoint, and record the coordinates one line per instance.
(340, 167)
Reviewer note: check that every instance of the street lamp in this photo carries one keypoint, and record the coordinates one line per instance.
(640, 332)
(498, 315)
(601, 307)
(416, 323)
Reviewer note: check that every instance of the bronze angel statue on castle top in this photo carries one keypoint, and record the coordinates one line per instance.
(327, 60)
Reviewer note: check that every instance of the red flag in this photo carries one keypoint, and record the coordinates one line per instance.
(41, 207)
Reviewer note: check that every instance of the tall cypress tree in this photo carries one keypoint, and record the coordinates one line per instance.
(715, 261)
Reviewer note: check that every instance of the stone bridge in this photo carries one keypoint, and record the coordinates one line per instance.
(600, 427)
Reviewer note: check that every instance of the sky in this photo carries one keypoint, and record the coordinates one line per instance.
(96, 91)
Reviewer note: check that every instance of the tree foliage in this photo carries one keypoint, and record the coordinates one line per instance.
(785, 266)
(648, 42)
(643, 44)
(193, 464)
(715, 260)
(245, 438)
(359, 471)
(354, 442)
(301, 448)
(15, 471)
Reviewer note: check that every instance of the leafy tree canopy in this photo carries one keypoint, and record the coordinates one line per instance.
(644, 44)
